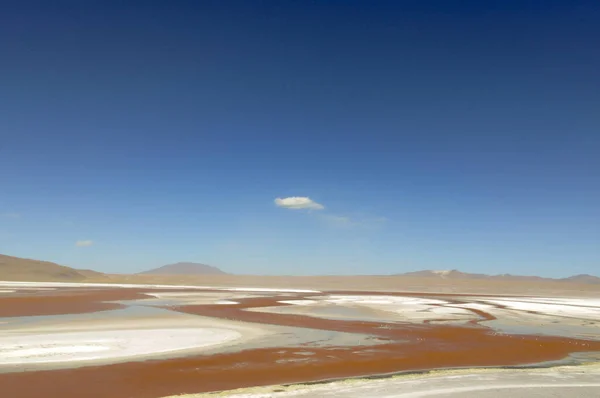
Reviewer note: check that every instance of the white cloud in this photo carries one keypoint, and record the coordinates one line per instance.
(298, 202)
(84, 243)
(356, 221)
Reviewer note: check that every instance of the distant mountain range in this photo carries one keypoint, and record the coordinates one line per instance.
(582, 278)
(455, 274)
(22, 269)
(186, 269)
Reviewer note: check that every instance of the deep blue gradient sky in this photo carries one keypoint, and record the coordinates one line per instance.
(437, 134)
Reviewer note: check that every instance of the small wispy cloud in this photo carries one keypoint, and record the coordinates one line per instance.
(84, 243)
(10, 215)
(336, 221)
(298, 202)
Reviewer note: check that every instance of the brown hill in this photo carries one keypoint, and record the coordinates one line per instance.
(185, 269)
(23, 269)
(94, 276)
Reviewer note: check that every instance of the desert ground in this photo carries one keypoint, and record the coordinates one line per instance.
(149, 337)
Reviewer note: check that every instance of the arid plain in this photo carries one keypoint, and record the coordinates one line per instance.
(166, 335)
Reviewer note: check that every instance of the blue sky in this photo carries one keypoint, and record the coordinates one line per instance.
(435, 134)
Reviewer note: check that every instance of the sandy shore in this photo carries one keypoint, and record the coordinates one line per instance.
(580, 382)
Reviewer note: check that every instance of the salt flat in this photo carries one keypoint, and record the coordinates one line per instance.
(202, 338)
(141, 331)
(24, 349)
(574, 317)
(583, 309)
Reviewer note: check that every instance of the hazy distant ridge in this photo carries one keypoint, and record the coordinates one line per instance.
(185, 268)
(455, 274)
